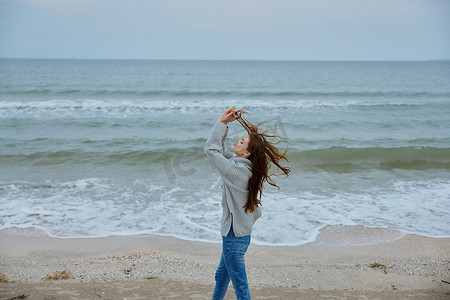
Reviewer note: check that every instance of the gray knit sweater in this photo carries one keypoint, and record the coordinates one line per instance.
(235, 172)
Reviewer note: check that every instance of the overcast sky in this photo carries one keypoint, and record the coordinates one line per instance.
(226, 29)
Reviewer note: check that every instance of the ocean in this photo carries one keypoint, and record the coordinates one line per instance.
(93, 148)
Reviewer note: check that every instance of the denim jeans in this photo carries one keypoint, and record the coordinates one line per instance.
(232, 266)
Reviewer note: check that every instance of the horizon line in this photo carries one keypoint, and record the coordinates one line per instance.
(208, 59)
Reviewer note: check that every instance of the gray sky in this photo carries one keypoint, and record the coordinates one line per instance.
(226, 29)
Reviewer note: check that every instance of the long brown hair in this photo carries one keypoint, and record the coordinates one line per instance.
(263, 151)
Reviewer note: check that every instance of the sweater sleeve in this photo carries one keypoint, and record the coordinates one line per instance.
(214, 148)
(222, 160)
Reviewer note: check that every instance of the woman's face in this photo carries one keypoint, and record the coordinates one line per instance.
(241, 146)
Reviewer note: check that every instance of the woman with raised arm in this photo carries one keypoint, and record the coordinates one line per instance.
(244, 174)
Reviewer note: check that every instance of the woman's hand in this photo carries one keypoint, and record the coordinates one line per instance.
(230, 115)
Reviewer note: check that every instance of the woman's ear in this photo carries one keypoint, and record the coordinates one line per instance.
(247, 154)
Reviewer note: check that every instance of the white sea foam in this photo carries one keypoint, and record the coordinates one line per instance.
(95, 207)
(61, 108)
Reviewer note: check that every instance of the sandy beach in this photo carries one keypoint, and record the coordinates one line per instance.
(35, 266)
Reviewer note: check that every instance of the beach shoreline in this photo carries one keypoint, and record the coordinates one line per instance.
(405, 267)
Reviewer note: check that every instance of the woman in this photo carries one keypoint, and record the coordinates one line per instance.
(244, 174)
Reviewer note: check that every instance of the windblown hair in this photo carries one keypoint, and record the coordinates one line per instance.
(263, 152)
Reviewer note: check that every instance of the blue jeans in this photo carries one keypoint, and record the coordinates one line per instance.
(232, 266)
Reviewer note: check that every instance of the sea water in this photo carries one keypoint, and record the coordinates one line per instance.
(93, 148)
